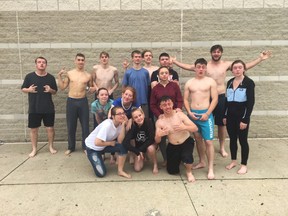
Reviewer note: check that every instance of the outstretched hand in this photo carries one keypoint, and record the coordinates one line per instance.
(265, 54)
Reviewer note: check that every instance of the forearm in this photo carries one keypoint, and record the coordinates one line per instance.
(183, 65)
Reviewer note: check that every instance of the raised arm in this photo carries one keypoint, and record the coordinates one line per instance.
(63, 79)
(182, 65)
(263, 56)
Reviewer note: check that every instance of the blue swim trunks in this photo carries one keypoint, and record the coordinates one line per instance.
(205, 128)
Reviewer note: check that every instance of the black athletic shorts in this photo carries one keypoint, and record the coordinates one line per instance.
(34, 119)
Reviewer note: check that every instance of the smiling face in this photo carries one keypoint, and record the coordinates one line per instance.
(118, 115)
(216, 55)
(127, 96)
(166, 106)
(79, 62)
(138, 116)
(103, 96)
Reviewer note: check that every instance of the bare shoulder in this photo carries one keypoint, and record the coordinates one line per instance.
(190, 81)
(114, 69)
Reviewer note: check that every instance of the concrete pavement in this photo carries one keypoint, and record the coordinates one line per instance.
(59, 185)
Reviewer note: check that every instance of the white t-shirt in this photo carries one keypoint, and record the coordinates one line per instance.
(105, 131)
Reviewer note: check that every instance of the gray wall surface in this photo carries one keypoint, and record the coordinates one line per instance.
(58, 29)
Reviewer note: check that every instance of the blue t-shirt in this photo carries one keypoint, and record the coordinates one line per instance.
(118, 102)
(140, 80)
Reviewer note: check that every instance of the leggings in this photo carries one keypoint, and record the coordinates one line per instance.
(233, 129)
(96, 160)
(77, 108)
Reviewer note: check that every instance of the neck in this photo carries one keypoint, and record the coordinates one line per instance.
(239, 78)
(116, 124)
(103, 102)
(137, 66)
(104, 66)
(41, 72)
(164, 82)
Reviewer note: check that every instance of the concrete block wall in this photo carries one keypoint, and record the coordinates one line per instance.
(58, 29)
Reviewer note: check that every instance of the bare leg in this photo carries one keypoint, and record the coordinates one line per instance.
(189, 174)
(151, 151)
(243, 169)
(138, 163)
(201, 151)
(121, 162)
(222, 137)
(34, 140)
(112, 159)
(210, 156)
(231, 165)
(51, 135)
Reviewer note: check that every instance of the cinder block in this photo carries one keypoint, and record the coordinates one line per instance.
(233, 3)
(151, 4)
(273, 4)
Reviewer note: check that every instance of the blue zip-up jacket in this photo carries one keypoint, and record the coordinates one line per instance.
(240, 102)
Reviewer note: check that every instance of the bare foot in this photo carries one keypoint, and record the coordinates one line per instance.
(124, 174)
(243, 170)
(33, 153)
(223, 153)
(199, 166)
(210, 175)
(231, 165)
(190, 177)
(155, 170)
(68, 152)
(52, 150)
(164, 164)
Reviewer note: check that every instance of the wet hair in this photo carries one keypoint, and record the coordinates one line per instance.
(165, 98)
(164, 54)
(133, 90)
(215, 47)
(143, 53)
(134, 109)
(135, 52)
(104, 53)
(40, 57)
(200, 61)
(114, 109)
(102, 88)
(80, 55)
(239, 62)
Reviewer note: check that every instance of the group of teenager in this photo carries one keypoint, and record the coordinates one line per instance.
(149, 111)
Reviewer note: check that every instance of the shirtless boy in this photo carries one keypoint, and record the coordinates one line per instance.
(177, 127)
(217, 69)
(202, 92)
(147, 58)
(77, 104)
(104, 74)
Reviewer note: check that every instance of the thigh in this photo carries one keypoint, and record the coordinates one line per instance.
(49, 119)
(173, 159)
(187, 151)
(34, 120)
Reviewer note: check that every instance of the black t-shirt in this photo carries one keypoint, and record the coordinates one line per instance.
(154, 76)
(40, 102)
